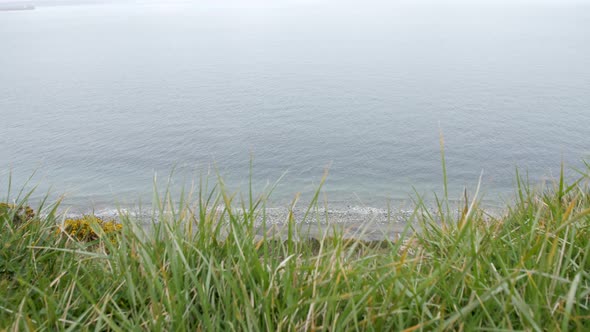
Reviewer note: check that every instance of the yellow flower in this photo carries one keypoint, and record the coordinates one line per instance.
(82, 228)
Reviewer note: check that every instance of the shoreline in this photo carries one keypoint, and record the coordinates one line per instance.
(370, 224)
(359, 223)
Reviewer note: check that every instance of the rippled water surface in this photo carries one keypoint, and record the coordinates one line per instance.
(99, 98)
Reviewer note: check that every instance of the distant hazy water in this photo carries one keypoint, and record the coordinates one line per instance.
(99, 98)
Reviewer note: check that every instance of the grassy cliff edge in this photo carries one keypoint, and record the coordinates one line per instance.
(204, 265)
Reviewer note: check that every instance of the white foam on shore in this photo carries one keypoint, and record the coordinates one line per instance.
(275, 215)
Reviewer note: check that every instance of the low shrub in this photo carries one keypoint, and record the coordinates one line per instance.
(87, 228)
(15, 215)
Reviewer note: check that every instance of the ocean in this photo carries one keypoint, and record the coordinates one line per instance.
(97, 101)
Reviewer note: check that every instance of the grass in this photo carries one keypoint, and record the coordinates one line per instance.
(202, 266)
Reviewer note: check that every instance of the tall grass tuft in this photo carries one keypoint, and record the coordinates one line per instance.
(201, 263)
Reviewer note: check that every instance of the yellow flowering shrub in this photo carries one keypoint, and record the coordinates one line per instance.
(21, 215)
(81, 228)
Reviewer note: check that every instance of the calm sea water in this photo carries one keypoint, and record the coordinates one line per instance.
(99, 98)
